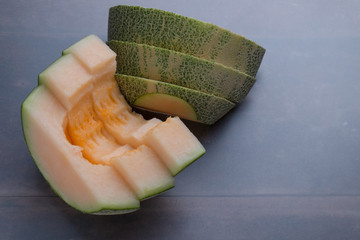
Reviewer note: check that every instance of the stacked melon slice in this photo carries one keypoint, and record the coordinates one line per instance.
(165, 59)
(97, 154)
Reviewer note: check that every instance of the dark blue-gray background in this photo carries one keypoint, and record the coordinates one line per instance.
(284, 164)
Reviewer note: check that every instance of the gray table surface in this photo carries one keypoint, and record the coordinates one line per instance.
(284, 164)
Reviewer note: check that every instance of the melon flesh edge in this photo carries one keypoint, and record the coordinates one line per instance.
(95, 187)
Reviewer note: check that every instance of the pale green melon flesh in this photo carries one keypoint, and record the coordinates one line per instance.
(165, 65)
(208, 108)
(172, 31)
(166, 104)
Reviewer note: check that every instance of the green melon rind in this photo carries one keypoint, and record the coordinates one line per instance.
(177, 68)
(188, 163)
(183, 34)
(208, 108)
(156, 191)
(102, 209)
(113, 212)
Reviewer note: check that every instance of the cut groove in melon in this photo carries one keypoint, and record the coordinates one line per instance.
(136, 165)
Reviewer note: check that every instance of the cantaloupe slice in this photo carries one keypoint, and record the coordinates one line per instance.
(85, 139)
(173, 99)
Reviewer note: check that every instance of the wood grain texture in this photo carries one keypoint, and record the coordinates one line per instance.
(187, 218)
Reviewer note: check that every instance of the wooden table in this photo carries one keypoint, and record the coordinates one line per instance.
(284, 164)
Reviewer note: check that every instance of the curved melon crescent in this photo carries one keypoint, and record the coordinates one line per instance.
(97, 154)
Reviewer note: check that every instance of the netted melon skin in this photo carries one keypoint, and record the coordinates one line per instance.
(183, 34)
(181, 69)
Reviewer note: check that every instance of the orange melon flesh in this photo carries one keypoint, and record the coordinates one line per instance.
(165, 103)
(115, 113)
(68, 86)
(83, 185)
(87, 131)
(144, 172)
(175, 144)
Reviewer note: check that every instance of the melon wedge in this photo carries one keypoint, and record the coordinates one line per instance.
(83, 185)
(182, 34)
(173, 99)
(165, 65)
(86, 141)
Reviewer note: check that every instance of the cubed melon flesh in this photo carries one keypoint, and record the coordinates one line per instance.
(68, 86)
(94, 55)
(137, 137)
(144, 172)
(161, 139)
(87, 142)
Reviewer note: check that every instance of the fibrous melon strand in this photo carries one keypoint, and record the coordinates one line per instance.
(85, 128)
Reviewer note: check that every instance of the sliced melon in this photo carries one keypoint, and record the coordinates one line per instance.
(85, 139)
(165, 65)
(172, 31)
(208, 108)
